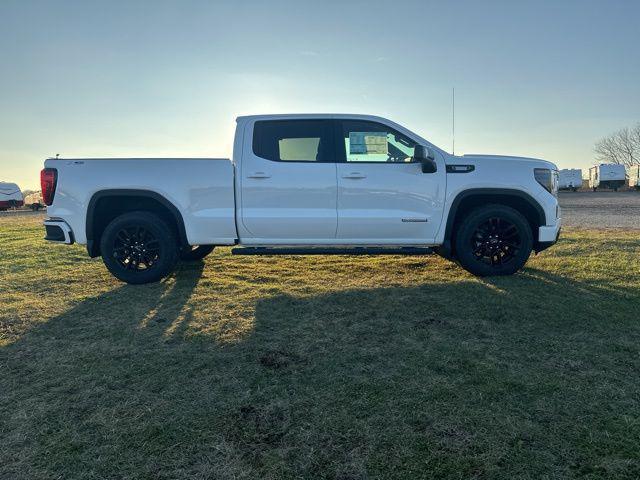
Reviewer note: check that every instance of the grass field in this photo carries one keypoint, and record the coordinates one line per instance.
(320, 367)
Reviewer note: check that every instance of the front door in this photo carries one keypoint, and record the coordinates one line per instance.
(383, 196)
(288, 182)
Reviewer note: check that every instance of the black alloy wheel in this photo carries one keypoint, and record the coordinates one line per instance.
(496, 241)
(136, 248)
(139, 247)
(493, 240)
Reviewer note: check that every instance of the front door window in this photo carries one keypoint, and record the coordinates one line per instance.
(373, 142)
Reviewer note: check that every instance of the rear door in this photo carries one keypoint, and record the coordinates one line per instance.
(383, 196)
(288, 182)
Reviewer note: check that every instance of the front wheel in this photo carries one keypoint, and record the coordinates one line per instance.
(493, 240)
(139, 247)
(192, 253)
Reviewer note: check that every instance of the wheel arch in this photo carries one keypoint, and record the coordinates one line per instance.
(105, 205)
(467, 200)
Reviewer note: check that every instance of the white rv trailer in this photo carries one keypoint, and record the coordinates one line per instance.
(607, 175)
(10, 196)
(570, 179)
(634, 177)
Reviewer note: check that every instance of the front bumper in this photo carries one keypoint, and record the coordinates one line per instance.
(548, 235)
(58, 231)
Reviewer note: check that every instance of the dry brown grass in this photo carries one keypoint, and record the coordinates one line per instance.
(320, 367)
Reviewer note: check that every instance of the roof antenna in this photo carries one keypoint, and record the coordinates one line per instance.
(453, 120)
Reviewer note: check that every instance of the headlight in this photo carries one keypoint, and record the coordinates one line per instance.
(547, 178)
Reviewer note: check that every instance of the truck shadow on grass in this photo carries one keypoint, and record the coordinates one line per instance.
(532, 374)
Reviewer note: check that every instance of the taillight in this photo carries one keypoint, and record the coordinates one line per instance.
(48, 181)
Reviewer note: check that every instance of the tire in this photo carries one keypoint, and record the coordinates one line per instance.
(139, 247)
(196, 252)
(493, 240)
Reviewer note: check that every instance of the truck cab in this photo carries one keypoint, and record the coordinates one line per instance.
(311, 183)
(342, 180)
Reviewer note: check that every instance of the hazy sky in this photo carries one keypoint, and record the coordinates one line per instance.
(167, 78)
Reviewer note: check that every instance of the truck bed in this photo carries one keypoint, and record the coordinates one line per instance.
(200, 188)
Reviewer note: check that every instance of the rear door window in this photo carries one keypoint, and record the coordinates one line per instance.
(294, 140)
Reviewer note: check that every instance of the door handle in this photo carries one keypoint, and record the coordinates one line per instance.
(354, 175)
(258, 175)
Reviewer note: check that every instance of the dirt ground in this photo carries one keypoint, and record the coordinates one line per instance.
(21, 212)
(600, 209)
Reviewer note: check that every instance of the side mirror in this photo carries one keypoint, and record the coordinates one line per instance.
(424, 155)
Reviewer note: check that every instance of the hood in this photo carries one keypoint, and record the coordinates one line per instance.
(533, 162)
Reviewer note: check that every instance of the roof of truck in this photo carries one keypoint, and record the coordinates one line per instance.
(276, 116)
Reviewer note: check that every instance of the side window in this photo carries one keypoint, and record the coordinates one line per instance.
(293, 140)
(373, 142)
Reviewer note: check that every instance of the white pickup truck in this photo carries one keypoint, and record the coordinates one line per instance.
(305, 184)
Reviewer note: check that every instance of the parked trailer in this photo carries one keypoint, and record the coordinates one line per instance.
(10, 196)
(634, 177)
(570, 179)
(607, 175)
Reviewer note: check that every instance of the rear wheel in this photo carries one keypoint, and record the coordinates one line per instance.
(139, 247)
(192, 253)
(493, 240)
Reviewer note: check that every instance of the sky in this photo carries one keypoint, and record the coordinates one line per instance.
(89, 78)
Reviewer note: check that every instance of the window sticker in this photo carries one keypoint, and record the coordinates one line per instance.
(369, 143)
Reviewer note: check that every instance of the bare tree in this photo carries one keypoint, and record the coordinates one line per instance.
(607, 151)
(635, 137)
(622, 147)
